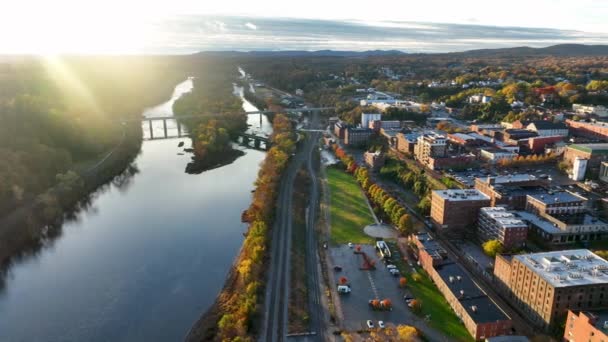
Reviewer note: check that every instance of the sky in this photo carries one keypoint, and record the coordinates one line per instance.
(135, 26)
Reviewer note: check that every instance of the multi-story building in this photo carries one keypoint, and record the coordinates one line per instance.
(545, 285)
(430, 146)
(591, 326)
(589, 109)
(428, 251)
(495, 155)
(375, 160)
(593, 129)
(455, 211)
(510, 190)
(367, 118)
(556, 203)
(340, 129)
(407, 142)
(356, 136)
(496, 223)
(480, 315)
(595, 153)
(548, 128)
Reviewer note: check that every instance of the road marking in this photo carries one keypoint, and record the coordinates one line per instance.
(373, 285)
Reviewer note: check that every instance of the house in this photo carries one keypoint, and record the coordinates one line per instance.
(548, 128)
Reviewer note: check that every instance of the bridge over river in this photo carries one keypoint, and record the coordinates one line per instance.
(167, 127)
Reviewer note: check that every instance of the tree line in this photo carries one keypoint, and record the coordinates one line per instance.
(388, 206)
(239, 304)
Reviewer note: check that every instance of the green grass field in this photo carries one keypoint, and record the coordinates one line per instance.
(349, 211)
(443, 317)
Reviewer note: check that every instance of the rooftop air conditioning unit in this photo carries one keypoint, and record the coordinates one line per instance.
(474, 308)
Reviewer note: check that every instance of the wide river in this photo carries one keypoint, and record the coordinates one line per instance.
(144, 260)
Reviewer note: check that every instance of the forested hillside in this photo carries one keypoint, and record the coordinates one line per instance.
(62, 114)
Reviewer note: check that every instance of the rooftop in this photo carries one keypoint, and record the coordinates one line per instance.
(461, 136)
(503, 217)
(539, 222)
(598, 319)
(591, 148)
(557, 197)
(510, 179)
(462, 195)
(481, 308)
(431, 246)
(543, 124)
(567, 268)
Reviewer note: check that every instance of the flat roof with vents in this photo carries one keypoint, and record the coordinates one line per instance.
(566, 268)
(462, 195)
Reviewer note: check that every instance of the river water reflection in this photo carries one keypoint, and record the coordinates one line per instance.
(143, 262)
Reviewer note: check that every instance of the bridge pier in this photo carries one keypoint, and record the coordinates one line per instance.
(151, 131)
(165, 127)
(179, 129)
(256, 143)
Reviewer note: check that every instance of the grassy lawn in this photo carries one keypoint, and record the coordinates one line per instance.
(443, 317)
(349, 211)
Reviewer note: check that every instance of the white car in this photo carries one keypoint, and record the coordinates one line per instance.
(370, 324)
(394, 271)
(381, 324)
(390, 267)
(350, 245)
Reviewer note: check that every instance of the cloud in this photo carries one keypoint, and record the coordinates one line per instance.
(251, 26)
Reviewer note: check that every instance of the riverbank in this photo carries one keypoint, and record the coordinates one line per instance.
(236, 310)
(22, 231)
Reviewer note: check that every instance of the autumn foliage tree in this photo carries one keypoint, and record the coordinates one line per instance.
(402, 282)
(240, 305)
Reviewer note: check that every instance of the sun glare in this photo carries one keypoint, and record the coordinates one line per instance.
(68, 27)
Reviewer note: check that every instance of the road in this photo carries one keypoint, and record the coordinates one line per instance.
(274, 327)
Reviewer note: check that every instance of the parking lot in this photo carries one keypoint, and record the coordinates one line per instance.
(366, 285)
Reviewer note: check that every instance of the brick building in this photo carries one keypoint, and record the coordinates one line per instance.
(496, 223)
(375, 160)
(537, 145)
(340, 129)
(455, 211)
(406, 142)
(511, 190)
(592, 130)
(545, 285)
(562, 202)
(595, 153)
(355, 136)
(480, 315)
(430, 146)
(585, 326)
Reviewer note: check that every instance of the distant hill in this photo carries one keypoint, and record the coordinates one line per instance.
(302, 53)
(563, 50)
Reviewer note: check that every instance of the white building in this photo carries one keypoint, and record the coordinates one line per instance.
(496, 155)
(590, 109)
(366, 118)
(579, 168)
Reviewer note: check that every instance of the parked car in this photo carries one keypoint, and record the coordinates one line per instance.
(350, 245)
(370, 324)
(391, 267)
(344, 289)
(394, 272)
(337, 268)
(381, 324)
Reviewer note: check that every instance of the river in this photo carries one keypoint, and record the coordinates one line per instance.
(144, 260)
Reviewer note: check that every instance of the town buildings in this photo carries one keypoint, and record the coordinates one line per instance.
(593, 129)
(406, 142)
(481, 316)
(595, 153)
(496, 223)
(375, 160)
(430, 145)
(548, 128)
(545, 285)
(600, 111)
(510, 190)
(587, 325)
(367, 118)
(357, 136)
(455, 211)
